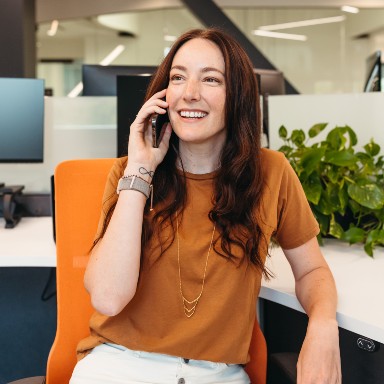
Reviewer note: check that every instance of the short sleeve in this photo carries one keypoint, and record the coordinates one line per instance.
(110, 195)
(296, 222)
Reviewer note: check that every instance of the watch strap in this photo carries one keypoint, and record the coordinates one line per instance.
(136, 183)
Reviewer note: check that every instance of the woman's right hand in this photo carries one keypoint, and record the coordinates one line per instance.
(141, 153)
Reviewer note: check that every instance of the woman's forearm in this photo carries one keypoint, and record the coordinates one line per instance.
(113, 269)
(316, 292)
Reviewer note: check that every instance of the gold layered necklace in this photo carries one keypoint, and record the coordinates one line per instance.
(190, 305)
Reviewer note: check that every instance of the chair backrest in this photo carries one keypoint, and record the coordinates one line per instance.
(257, 367)
(79, 186)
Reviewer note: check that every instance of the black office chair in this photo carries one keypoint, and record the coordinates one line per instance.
(282, 368)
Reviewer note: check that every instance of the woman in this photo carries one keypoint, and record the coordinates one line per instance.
(174, 278)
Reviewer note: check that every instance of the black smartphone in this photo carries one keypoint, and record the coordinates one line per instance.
(158, 121)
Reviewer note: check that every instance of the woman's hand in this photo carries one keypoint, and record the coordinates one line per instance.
(140, 150)
(319, 359)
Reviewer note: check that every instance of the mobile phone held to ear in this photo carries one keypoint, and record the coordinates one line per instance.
(158, 121)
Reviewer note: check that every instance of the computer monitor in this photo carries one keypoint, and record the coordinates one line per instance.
(130, 97)
(373, 75)
(272, 82)
(21, 120)
(101, 80)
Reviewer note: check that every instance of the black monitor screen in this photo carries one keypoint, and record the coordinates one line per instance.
(99, 80)
(272, 82)
(130, 97)
(21, 120)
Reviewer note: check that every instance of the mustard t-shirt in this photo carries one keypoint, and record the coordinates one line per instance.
(220, 330)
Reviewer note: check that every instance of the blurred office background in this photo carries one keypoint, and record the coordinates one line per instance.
(327, 56)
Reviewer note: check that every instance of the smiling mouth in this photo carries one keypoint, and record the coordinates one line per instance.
(193, 114)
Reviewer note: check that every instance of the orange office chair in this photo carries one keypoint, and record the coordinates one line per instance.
(79, 187)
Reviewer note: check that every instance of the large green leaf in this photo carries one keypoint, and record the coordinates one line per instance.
(316, 129)
(311, 159)
(372, 148)
(338, 140)
(343, 198)
(354, 235)
(380, 163)
(283, 133)
(322, 219)
(333, 173)
(368, 248)
(351, 134)
(376, 236)
(325, 206)
(368, 195)
(286, 149)
(312, 188)
(298, 137)
(335, 228)
(342, 158)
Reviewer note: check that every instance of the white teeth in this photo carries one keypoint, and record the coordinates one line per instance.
(192, 114)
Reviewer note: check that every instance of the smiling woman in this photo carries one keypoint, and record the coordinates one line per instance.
(169, 272)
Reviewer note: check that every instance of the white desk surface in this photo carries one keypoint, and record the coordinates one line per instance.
(359, 280)
(29, 244)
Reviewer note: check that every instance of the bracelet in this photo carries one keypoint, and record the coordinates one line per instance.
(128, 176)
(136, 183)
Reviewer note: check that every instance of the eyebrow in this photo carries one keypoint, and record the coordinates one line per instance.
(204, 70)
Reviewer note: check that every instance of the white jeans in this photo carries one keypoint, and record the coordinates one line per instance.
(110, 363)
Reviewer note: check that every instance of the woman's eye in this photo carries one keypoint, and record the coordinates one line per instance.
(212, 80)
(176, 78)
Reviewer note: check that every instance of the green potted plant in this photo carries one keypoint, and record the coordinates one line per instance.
(344, 186)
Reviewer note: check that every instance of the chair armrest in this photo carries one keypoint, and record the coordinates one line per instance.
(285, 362)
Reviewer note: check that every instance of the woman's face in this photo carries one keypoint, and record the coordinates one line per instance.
(196, 93)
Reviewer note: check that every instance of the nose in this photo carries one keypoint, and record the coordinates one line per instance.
(192, 90)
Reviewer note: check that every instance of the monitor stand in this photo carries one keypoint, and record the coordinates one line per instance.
(10, 211)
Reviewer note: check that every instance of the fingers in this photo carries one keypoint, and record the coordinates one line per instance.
(153, 105)
(164, 143)
(140, 144)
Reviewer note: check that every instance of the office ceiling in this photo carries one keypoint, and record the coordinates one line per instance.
(47, 10)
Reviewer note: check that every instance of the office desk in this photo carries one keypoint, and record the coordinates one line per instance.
(359, 281)
(359, 278)
(29, 244)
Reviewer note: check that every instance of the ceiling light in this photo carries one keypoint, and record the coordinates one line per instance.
(170, 38)
(76, 91)
(53, 29)
(303, 23)
(279, 35)
(347, 8)
(112, 55)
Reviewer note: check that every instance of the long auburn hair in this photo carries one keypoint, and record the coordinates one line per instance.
(239, 184)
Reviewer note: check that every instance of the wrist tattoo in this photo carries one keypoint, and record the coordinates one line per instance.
(144, 171)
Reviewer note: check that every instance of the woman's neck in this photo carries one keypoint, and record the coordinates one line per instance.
(198, 159)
